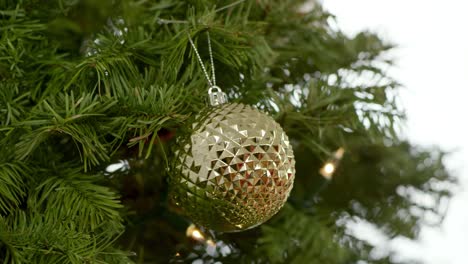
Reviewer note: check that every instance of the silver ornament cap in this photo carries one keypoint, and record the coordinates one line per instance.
(216, 96)
(235, 169)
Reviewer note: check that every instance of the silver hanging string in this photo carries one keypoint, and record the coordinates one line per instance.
(210, 82)
(216, 95)
(211, 59)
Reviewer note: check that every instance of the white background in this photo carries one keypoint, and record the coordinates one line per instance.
(432, 63)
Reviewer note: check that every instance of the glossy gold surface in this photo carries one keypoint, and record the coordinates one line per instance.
(235, 170)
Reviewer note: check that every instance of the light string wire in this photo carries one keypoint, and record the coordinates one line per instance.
(211, 82)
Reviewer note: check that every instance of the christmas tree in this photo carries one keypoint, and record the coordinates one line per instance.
(93, 95)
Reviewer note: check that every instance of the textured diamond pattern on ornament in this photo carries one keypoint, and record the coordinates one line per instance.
(242, 160)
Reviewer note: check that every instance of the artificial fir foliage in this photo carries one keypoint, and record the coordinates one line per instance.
(92, 94)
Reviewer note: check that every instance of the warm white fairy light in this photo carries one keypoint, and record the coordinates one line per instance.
(211, 243)
(327, 170)
(195, 233)
(330, 166)
(339, 153)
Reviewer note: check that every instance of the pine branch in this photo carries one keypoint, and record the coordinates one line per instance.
(12, 187)
(293, 237)
(77, 197)
(68, 116)
(38, 238)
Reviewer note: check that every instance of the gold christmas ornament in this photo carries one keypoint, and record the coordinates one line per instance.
(235, 168)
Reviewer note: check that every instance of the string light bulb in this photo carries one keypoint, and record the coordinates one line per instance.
(198, 235)
(330, 166)
(195, 233)
(211, 243)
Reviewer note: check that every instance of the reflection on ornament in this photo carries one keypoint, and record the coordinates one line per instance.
(234, 171)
